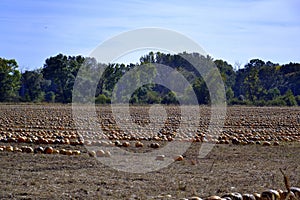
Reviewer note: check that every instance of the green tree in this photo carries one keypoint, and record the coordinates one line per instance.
(298, 99)
(255, 63)
(252, 85)
(9, 80)
(61, 71)
(289, 98)
(152, 97)
(227, 73)
(50, 97)
(33, 85)
(201, 91)
(229, 94)
(102, 99)
(291, 75)
(111, 75)
(84, 90)
(273, 93)
(170, 98)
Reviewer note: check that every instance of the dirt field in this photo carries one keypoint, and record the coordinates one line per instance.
(227, 168)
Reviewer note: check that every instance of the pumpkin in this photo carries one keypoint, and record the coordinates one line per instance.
(270, 194)
(27, 149)
(118, 143)
(107, 154)
(63, 151)
(92, 153)
(213, 198)
(248, 197)
(38, 150)
(194, 198)
(17, 149)
(139, 144)
(178, 158)
(100, 153)
(48, 150)
(257, 196)
(76, 152)
(69, 152)
(233, 196)
(154, 145)
(296, 191)
(126, 144)
(266, 143)
(55, 151)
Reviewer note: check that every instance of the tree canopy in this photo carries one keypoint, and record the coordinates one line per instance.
(9, 80)
(258, 83)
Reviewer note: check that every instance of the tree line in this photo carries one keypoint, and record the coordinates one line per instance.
(258, 83)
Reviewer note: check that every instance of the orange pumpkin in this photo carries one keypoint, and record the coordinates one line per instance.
(48, 150)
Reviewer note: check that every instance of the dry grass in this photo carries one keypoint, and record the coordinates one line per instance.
(227, 168)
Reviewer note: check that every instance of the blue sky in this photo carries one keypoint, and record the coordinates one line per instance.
(233, 30)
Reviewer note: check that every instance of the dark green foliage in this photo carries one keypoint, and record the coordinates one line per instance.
(229, 94)
(147, 94)
(170, 98)
(272, 94)
(268, 83)
(227, 73)
(298, 99)
(259, 83)
(201, 91)
(289, 98)
(33, 86)
(9, 80)
(61, 71)
(102, 99)
(50, 97)
(276, 102)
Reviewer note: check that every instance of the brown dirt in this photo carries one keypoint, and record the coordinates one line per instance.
(227, 168)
